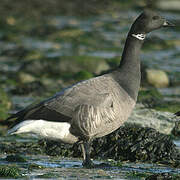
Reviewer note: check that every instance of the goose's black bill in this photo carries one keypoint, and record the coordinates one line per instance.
(168, 24)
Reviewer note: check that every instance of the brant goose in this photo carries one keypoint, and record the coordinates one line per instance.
(95, 107)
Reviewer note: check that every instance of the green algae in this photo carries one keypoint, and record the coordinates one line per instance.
(5, 104)
(82, 75)
(9, 171)
(152, 98)
(117, 163)
(168, 106)
(136, 174)
(149, 96)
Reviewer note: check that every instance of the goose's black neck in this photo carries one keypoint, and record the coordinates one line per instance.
(128, 74)
(131, 52)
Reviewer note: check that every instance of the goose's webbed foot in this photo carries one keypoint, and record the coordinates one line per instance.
(88, 164)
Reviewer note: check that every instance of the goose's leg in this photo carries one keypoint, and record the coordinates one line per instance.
(86, 155)
(85, 146)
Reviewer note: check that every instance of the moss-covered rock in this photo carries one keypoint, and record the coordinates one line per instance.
(5, 104)
(15, 158)
(21, 147)
(152, 98)
(35, 88)
(162, 176)
(35, 166)
(176, 129)
(167, 106)
(149, 97)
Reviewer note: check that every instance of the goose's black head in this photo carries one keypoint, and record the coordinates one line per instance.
(148, 21)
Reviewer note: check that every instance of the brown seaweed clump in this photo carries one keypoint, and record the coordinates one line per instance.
(136, 143)
(128, 143)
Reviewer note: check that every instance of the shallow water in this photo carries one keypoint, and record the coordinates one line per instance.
(52, 167)
(55, 167)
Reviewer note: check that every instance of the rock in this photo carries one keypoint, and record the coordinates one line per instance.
(153, 98)
(149, 97)
(157, 78)
(25, 77)
(176, 129)
(163, 122)
(168, 5)
(5, 105)
(15, 158)
(165, 5)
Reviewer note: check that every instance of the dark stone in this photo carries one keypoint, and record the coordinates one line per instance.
(15, 158)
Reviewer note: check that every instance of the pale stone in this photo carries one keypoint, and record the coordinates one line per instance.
(26, 78)
(164, 122)
(157, 78)
(168, 5)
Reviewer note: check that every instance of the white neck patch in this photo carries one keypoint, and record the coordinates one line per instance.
(141, 37)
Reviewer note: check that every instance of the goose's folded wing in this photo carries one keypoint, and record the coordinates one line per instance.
(93, 92)
(36, 112)
(61, 106)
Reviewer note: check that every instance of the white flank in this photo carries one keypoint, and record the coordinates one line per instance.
(46, 129)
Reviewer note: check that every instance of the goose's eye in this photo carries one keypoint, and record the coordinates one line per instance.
(155, 17)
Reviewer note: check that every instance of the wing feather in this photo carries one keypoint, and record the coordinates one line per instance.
(61, 106)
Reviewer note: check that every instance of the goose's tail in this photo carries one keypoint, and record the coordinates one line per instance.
(23, 127)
